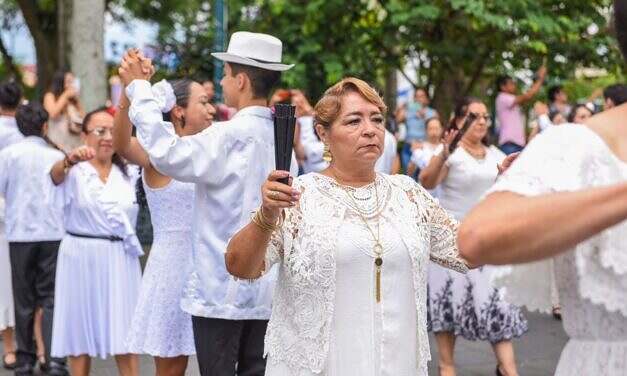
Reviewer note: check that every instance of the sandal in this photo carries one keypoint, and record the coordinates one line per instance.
(9, 365)
(41, 359)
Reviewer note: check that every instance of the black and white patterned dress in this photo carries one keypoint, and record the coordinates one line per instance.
(467, 304)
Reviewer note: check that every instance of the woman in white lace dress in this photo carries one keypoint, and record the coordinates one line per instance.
(566, 197)
(160, 327)
(351, 250)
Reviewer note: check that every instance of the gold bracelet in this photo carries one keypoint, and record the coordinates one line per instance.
(262, 223)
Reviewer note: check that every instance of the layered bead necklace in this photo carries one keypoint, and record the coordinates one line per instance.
(369, 211)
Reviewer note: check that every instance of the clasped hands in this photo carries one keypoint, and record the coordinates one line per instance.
(135, 66)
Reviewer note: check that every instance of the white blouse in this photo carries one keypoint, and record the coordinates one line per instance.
(325, 317)
(468, 179)
(93, 207)
(592, 277)
(24, 168)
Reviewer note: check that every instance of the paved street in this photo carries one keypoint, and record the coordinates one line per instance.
(537, 354)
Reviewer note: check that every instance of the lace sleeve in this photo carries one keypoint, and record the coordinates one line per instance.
(282, 238)
(442, 235)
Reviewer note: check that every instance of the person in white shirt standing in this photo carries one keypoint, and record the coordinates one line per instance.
(228, 162)
(34, 230)
(10, 96)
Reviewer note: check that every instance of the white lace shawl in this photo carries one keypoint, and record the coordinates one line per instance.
(299, 328)
(569, 158)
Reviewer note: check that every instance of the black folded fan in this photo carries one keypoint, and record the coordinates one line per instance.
(284, 124)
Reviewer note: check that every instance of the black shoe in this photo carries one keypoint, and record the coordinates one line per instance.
(24, 370)
(56, 369)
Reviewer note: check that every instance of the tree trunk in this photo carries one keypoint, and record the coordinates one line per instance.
(64, 21)
(391, 90)
(87, 52)
(44, 36)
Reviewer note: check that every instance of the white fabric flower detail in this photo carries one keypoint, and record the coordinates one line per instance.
(164, 95)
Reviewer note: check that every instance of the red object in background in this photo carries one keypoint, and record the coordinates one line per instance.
(283, 95)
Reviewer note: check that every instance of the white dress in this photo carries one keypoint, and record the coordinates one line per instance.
(160, 327)
(327, 279)
(591, 278)
(366, 336)
(97, 280)
(7, 318)
(468, 305)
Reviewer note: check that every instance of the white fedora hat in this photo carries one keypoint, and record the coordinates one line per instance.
(254, 49)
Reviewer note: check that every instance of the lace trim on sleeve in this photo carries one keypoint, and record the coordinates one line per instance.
(441, 228)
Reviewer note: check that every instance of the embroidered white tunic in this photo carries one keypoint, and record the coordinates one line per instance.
(325, 318)
(592, 277)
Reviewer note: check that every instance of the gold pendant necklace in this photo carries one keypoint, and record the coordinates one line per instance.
(377, 249)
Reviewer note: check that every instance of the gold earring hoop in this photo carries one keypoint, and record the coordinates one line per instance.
(326, 155)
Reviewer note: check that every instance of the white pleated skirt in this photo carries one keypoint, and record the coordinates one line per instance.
(97, 286)
(6, 291)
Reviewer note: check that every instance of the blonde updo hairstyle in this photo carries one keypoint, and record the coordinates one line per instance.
(329, 106)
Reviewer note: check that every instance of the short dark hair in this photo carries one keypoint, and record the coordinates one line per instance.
(617, 93)
(620, 24)
(31, 118)
(10, 95)
(553, 91)
(262, 81)
(502, 80)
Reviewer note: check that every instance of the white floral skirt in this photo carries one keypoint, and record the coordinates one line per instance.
(469, 306)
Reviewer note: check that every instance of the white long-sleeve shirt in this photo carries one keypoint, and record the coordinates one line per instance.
(9, 133)
(228, 162)
(24, 175)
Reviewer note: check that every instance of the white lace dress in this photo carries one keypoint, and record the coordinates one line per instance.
(592, 278)
(160, 327)
(364, 335)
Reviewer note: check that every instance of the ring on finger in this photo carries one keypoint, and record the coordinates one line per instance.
(274, 194)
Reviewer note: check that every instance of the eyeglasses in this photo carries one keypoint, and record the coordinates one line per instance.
(485, 117)
(101, 132)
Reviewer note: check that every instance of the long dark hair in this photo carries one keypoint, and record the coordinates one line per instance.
(461, 110)
(115, 159)
(182, 91)
(57, 84)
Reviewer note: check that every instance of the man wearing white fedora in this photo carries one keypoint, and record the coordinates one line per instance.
(227, 162)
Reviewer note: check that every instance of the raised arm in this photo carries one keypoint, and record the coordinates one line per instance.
(123, 142)
(534, 89)
(436, 171)
(246, 252)
(55, 106)
(60, 169)
(197, 158)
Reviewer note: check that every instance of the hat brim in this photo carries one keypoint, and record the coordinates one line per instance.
(230, 58)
